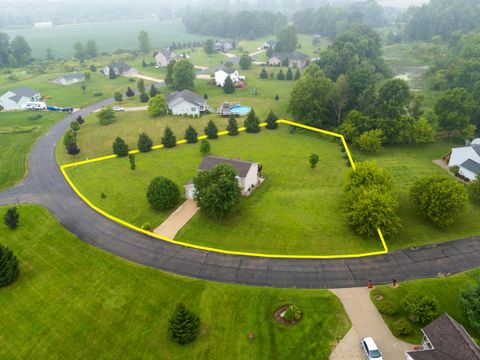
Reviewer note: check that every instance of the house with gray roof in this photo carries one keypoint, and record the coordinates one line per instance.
(467, 158)
(187, 103)
(120, 69)
(164, 57)
(445, 339)
(17, 99)
(69, 79)
(269, 44)
(293, 59)
(249, 174)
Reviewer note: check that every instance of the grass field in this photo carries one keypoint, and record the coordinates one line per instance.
(299, 214)
(73, 301)
(109, 36)
(445, 290)
(14, 147)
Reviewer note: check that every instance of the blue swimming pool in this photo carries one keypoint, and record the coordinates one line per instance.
(240, 109)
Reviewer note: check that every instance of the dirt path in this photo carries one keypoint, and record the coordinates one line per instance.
(149, 78)
(170, 227)
(366, 321)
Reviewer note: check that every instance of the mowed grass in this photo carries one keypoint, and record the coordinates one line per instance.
(14, 147)
(296, 211)
(445, 290)
(109, 35)
(407, 165)
(73, 301)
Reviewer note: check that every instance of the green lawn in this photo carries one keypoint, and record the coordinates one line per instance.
(296, 211)
(73, 301)
(445, 290)
(14, 147)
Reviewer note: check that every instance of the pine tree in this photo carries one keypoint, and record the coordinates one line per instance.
(184, 325)
(211, 130)
(72, 149)
(169, 76)
(204, 147)
(228, 87)
(145, 143)
(144, 97)
(11, 218)
(120, 147)
(252, 124)
(169, 139)
(297, 74)
(272, 121)
(289, 75)
(80, 119)
(129, 93)
(8, 266)
(111, 73)
(191, 135)
(141, 85)
(153, 91)
(280, 75)
(232, 126)
(264, 74)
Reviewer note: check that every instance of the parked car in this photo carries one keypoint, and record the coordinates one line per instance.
(118, 108)
(36, 105)
(370, 349)
(53, 108)
(68, 109)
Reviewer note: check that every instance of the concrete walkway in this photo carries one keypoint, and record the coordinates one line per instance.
(170, 227)
(366, 321)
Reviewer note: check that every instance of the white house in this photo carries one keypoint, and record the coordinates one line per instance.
(249, 174)
(269, 44)
(164, 57)
(17, 99)
(467, 158)
(222, 74)
(69, 79)
(294, 59)
(186, 102)
(445, 339)
(120, 69)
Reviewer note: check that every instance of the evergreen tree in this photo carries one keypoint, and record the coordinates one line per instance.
(272, 121)
(280, 75)
(245, 62)
(289, 75)
(153, 91)
(129, 93)
(120, 148)
(205, 147)
(191, 135)
(72, 149)
(169, 139)
(264, 74)
(8, 266)
(184, 325)
(74, 126)
(80, 119)
(297, 74)
(145, 143)
(228, 87)
(141, 85)
(111, 73)
(131, 159)
(211, 130)
(70, 137)
(144, 97)
(313, 160)
(232, 126)
(169, 76)
(252, 124)
(118, 97)
(144, 42)
(11, 218)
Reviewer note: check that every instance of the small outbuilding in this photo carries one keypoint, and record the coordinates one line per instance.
(69, 79)
(467, 158)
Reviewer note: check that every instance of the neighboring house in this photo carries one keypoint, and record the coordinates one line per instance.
(249, 174)
(294, 59)
(69, 79)
(17, 99)
(467, 158)
(269, 44)
(164, 57)
(225, 46)
(120, 69)
(445, 339)
(186, 102)
(222, 74)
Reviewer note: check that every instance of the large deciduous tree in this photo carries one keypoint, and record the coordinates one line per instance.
(144, 42)
(183, 75)
(287, 39)
(454, 110)
(157, 105)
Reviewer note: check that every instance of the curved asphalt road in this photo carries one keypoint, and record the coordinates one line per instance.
(46, 186)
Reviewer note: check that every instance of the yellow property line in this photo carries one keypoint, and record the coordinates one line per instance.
(206, 248)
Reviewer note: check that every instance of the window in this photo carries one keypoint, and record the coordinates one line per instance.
(194, 109)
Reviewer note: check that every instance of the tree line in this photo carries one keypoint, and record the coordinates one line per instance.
(14, 53)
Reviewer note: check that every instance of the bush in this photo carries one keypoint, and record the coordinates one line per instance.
(313, 160)
(11, 217)
(120, 148)
(145, 143)
(97, 94)
(72, 149)
(475, 191)
(74, 126)
(205, 147)
(118, 97)
(147, 226)
(470, 304)
(455, 169)
(35, 117)
(162, 193)
(422, 308)
(8, 266)
(80, 120)
(293, 313)
(144, 97)
(184, 325)
(272, 121)
(388, 308)
(106, 116)
(370, 141)
(401, 327)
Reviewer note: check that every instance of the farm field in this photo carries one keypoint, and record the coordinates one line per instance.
(17, 135)
(109, 36)
(96, 305)
(288, 214)
(445, 290)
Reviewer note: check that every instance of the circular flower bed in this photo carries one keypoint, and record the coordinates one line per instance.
(288, 314)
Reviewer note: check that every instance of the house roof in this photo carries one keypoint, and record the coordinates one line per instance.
(121, 66)
(227, 70)
(72, 76)
(450, 342)
(241, 167)
(188, 95)
(472, 166)
(24, 91)
(476, 148)
(271, 42)
(296, 55)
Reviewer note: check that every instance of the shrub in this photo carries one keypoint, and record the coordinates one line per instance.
(130, 93)
(211, 130)
(272, 121)
(157, 105)
(370, 141)
(80, 120)
(422, 308)
(388, 308)
(401, 327)
(35, 117)
(455, 169)
(232, 126)
(131, 159)
(162, 193)
(293, 313)
(145, 143)
(147, 226)
(106, 116)
(313, 159)
(118, 97)
(11, 218)
(120, 148)
(169, 139)
(475, 190)
(8, 266)
(144, 97)
(74, 126)
(470, 304)
(97, 94)
(184, 325)
(191, 135)
(205, 147)
(72, 149)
